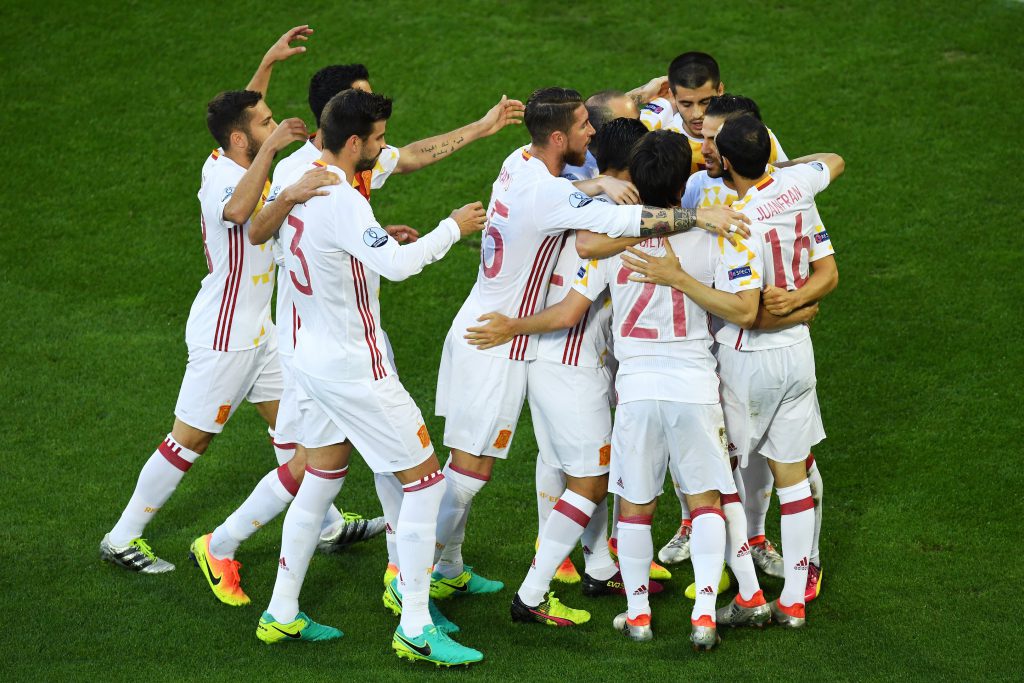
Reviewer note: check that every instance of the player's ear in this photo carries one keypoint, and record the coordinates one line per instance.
(721, 88)
(239, 140)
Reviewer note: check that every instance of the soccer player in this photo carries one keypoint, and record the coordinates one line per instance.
(668, 415)
(348, 393)
(710, 188)
(295, 181)
(530, 208)
(768, 383)
(602, 107)
(693, 79)
(231, 339)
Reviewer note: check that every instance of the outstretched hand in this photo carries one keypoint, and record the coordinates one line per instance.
(505, 112)
(283, 49)
(403, 234)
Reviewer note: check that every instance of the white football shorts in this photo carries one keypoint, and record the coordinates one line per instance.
(480, 396)
(378, 417)
(653, 437)
(770, 402)
(572, 417)
(216, 382)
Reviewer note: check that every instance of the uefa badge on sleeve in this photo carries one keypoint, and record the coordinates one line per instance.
(375, 237)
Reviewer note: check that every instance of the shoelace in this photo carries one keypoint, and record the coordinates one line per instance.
(351, 517)
(143, 547)
(231, 572)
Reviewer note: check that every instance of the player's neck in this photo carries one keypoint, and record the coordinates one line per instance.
(318, 139)
(618, 174)
(239, 156)
(743, 185)
(554, 161)
(338, 160)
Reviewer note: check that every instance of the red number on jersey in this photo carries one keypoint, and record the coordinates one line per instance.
(493, 245)
(206, 249)
(800, 245)
(629, 326)
(307, 288)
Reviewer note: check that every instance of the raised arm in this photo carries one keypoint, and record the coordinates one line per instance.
(657, 222)
(416, 155)
(652, 89)
(835, 163)
(250, 188)
(500, 329)
(396, 262)
(278, 52)
(268, 221)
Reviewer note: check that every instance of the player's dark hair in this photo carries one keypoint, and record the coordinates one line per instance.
(728, 106)
(597, 107)
(230, 111)
(331, 80)
(692, 70)
(744, 141)
(352, 112)
(613, 144)
(660, 166)
(548, 110)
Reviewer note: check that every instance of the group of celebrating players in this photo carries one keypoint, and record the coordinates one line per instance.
(652, 252)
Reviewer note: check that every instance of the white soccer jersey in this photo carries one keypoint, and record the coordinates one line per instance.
(662, 338)
(587, 343)
(336, 253)
(787, 236)
(528, 212)
(287, 172)
(659, 114)
(231, 312)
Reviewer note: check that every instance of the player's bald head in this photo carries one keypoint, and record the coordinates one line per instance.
(608, 105)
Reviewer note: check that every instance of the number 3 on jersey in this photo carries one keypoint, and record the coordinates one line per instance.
(630, 328)
(306, 288)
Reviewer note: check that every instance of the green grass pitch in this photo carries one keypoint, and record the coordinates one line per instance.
(917, 351)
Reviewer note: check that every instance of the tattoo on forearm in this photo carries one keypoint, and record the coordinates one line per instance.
(443, 148)
(657, 222)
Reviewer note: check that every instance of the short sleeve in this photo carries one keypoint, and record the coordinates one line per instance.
(777, 154)
(739, 266)
(592, 278)
(656, 114)
(821, 243)
(691, 195)
(813, 175)
(387, 162)
(559, 206)
(222, 187)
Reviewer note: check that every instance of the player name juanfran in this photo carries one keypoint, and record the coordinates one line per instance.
(774, 207)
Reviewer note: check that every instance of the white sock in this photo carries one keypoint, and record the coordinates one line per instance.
(299, 537)
(636, 551)
(707, 552)
(564, 527)
(159, 477)
(463, 485)
(389, 492)
(737, 550)
(817, 493)
(550, 485)
(616, 514)
(269, 499)
(758, 484)
(417, 525)
(599, 564)
(797, 509)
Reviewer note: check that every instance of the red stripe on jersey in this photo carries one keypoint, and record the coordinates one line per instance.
(215, 154)
(369, 324)
(373, 325)
(797, 506)
(739, 338)
(500, 209)
(572, 512)
(295, 326)
(580, 337)
(767, 181)
(533, 287)
(222, 334)
(810, 461)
